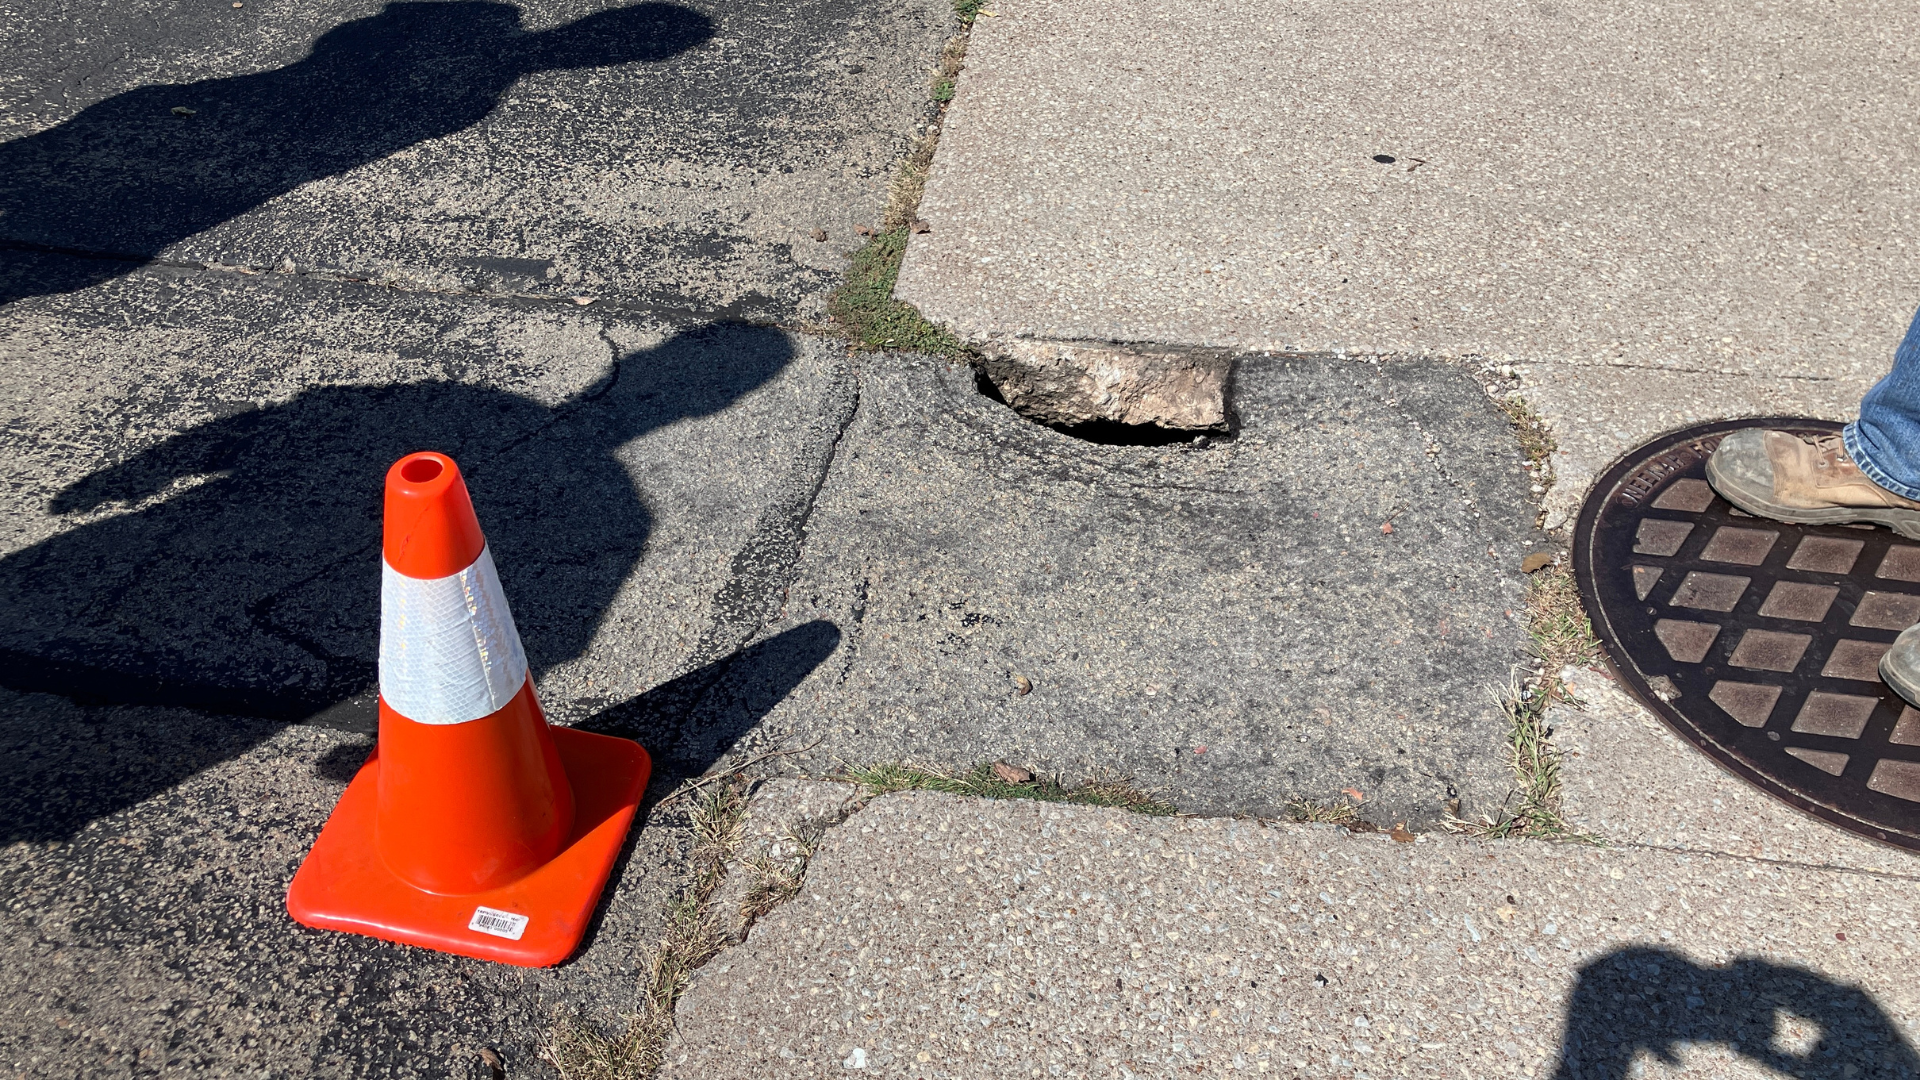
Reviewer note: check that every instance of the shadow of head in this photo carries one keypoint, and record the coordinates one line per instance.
(1788, 1018)
(332, 440)
(243, 576)
(126, 177)
(254, 591)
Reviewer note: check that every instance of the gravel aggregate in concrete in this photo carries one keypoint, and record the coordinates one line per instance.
(1697, 186)
(945, 937)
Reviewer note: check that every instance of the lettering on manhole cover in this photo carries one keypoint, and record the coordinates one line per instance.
(1758, 641)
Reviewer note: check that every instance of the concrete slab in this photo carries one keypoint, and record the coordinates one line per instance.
(669, 155)
(1232, 626)
(1630, 780)
(1598, 414)
(1700, 186)
(154, 941)
(197, 463)
(944, 937)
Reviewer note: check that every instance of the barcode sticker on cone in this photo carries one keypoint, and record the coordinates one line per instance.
(498, 923)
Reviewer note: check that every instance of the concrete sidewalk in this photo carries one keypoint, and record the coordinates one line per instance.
(1717, 934)
(1661, 215)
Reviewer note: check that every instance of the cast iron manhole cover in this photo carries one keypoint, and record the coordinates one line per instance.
(1755, 640)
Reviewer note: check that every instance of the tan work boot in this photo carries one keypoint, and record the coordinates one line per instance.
(1806, 479)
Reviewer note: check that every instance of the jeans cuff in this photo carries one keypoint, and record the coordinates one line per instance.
(1857, 451)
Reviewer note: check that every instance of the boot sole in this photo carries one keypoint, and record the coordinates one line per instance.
(1760, 504)
(1905, 687)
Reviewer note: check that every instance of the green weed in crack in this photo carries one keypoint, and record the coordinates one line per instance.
(1307, 811)
(1560, 637)
(863, 308)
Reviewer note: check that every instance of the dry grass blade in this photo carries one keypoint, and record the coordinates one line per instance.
(1325, 813)
(692, 936)
(781, 875)
(1110, 791)
(729, 774)
(1560, 637)
(1533, 808)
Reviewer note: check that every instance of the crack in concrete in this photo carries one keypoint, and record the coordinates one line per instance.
(1787, 864)
(1730, 373)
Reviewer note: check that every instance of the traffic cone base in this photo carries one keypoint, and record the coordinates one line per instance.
(536, 921)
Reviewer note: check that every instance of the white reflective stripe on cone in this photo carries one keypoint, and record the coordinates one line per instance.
(448, 650)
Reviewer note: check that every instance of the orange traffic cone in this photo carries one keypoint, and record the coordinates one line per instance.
(474, 828)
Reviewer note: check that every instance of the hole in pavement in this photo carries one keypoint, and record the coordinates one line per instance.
(1384, 159)
(1111, 432)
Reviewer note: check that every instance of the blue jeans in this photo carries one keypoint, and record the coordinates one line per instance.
(1885, 441)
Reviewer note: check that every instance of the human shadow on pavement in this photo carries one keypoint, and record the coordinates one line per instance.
(757, 678)
(245, 576)
(1646, 1000)
(147, 168)
(728, 696)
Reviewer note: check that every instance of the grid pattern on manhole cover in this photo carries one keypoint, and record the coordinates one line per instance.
(1755, 640)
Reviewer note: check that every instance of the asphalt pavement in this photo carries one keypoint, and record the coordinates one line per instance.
(655, 154)
(250, 255)
(1330, 599)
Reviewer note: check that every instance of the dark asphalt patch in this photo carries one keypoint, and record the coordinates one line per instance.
(1229, 626)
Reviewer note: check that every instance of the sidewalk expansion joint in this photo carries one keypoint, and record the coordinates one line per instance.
(1762, 860)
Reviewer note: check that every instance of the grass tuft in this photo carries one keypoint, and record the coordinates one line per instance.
(1561, 636)
(1533, 808)
(778, 878)
(864, 310)
(1536, 438)
(982, 783)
